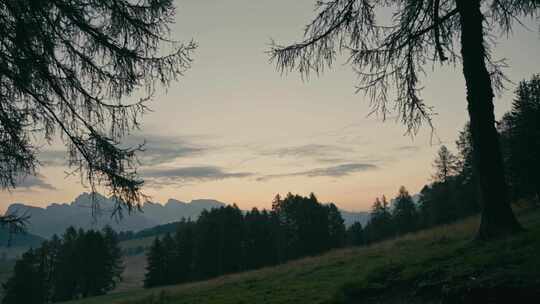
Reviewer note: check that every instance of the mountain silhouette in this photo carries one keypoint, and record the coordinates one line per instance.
(55, 218)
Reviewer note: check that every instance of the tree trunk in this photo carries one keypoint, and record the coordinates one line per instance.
(497, 216)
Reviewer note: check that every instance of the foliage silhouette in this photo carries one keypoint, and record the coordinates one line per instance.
(66, 68)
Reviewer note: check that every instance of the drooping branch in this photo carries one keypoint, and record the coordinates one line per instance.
(383, 56)
(66, 68)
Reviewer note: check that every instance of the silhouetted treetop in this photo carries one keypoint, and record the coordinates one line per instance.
(446, 164)
(66, 66)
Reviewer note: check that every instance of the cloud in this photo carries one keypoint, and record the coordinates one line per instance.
(334, 171)
(53, 158)
(190, 174)
(316, 151)
(408, 149)
(332, 160)
(159, 149)
(34, 182)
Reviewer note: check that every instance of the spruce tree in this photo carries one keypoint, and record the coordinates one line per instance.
(113, 261)
(155, 268)
(25, 286)
(521, 131)
(404, 214)
(355, 235)
(336, 227)
(170, 257)
(185, 246)
(379, 225)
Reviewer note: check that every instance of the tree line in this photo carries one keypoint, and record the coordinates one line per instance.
(77, 265)
(226, 240)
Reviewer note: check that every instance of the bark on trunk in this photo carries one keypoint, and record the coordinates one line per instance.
(497, 216)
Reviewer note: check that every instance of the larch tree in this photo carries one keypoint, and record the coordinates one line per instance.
(390, 57)
(446, 164)
(66, 67)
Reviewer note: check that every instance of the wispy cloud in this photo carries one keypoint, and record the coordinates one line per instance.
(32, 182)
(190, 174)
(408, 148)
(54, 158)
(333, 171)
(159, 149)
(310, 150)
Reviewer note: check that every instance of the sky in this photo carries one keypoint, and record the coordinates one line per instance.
(236, 130)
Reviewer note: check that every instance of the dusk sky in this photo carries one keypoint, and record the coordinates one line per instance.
(235, 130)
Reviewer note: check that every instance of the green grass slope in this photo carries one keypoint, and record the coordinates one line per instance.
(440, 265)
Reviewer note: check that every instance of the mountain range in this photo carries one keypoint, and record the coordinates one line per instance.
(55, 218)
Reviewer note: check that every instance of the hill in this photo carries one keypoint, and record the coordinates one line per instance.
(440, 265)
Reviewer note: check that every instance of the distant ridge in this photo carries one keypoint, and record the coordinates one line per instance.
(55, 218)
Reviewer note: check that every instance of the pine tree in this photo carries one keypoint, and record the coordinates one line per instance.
(155, 269)
(26, 284)
(170, 257)
(379, 225)
(446, 165)
(404, 214)
(66, 282)
(355, 235)
(336, 227)
(521, 131)
(185, 246)
(113, 261)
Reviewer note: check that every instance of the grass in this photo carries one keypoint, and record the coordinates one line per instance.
(442, 264)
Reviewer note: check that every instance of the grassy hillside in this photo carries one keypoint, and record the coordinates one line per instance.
(433, 265)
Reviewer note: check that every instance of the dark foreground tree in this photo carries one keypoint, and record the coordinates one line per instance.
(65, 67)
(393, 54)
